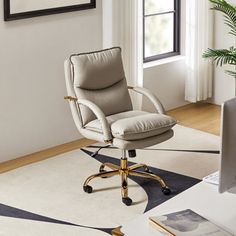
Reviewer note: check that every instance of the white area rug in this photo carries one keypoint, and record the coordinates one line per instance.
(53, 188)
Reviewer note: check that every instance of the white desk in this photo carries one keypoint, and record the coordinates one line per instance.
(202, 198)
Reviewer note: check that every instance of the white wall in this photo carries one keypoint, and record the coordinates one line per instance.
(167, 80)
(33, 114)
(224, 85)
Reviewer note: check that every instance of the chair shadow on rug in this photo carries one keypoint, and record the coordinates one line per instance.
(102, 110)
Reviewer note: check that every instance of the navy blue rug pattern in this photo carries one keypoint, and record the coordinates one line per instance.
(176, 182)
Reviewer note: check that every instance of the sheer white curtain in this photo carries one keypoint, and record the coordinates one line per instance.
(122, 26)
(199, 37)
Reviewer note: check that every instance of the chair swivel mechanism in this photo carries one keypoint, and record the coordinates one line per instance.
(102, 110)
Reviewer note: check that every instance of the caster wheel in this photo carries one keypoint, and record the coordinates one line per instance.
(166, 190)
(102, 171)
(88, 189)
(127, 201)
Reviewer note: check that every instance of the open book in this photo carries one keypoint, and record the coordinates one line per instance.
(186, 223)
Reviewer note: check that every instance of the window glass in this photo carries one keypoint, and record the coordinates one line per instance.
(158, 6)
(161, 29)
(159, 34)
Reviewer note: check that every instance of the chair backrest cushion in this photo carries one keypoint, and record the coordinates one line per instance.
(99, 77)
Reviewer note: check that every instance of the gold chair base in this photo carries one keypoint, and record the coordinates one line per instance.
(117, 232)
(124, 171)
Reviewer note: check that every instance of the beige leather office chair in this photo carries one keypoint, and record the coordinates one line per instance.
(102, 111)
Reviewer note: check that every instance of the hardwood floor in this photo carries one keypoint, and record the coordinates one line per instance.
(44, 154)
(201, 116)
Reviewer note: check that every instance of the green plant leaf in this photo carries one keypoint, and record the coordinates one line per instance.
(229, 12)
(221, 56)
(232, 73)
(224, 56)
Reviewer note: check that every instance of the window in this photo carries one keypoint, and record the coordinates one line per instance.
(161, 29)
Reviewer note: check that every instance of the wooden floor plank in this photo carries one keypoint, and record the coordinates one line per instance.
(43, 155)
(201, 116)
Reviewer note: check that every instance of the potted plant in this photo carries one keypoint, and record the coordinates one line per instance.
(224, 56)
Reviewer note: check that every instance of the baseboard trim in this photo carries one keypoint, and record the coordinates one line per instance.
(44, 154)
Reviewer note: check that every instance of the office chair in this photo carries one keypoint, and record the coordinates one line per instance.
(102, 110)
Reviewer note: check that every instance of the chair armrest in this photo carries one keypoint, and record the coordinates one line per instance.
(98, 113)
(147, 93)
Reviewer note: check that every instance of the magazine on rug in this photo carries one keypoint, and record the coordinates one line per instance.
(186, 223)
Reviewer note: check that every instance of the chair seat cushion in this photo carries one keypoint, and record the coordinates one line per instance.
(135, 125)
